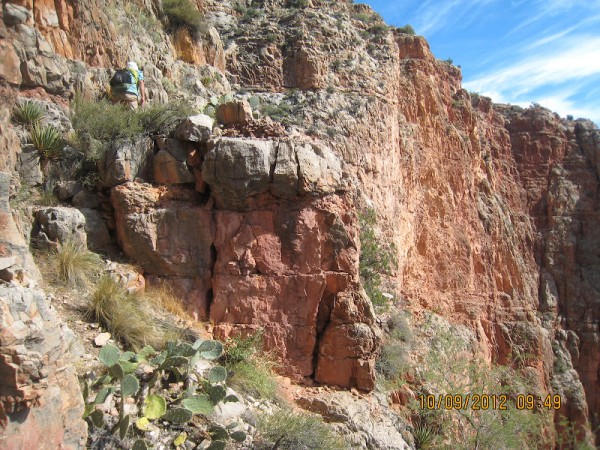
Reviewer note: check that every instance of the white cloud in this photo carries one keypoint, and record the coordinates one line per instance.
(578, 59)
(543, 9)
(564, 106)
(432, 15)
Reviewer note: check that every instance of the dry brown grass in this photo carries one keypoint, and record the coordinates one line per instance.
(162, 296)
(127, 316)
(72, 264)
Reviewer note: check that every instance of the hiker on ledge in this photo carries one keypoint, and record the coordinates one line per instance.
(127, 86)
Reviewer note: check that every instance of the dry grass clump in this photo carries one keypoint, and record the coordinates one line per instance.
(162, 297)
(127, 316)
(73, 264)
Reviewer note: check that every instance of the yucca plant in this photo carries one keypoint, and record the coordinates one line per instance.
(47, 139)
(28, 113)
(424, 436)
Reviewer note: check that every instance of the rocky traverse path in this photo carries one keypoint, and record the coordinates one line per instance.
(303, 117)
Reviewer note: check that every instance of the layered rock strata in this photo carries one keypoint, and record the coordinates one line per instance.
(492, 209)
(40, 401)
(559, 163)
(282, 237)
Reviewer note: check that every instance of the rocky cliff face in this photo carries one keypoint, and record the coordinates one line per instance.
(558, 164)
(40, 401)
(491, 208)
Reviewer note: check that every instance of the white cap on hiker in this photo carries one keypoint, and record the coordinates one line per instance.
(132, 65)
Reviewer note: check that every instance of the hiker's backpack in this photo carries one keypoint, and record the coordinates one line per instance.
(121, 77)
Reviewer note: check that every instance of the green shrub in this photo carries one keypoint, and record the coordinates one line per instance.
(365, 17)
(98, 123)
(48, 141)
(169, 86)
(251, 371)
(251, 13)
(182, 13)
(393, 361)
(164, 118)
(28, 113)
(406, 29)
(293, 431)
(375, 258)
(297, 3)
(102, 120)
(450, 367)
(379, 29)
(284, 113)
(47, 198)
(74, 264)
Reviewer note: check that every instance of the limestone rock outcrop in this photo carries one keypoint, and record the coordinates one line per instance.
(238, 170)
(493, 209)
(57, 225)
(559, 164)
(12, 243)
(40, 401)
(127, 160)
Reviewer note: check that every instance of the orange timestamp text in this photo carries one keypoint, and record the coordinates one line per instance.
(489, 402)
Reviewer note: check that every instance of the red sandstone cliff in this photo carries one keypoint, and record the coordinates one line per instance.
(492, 209)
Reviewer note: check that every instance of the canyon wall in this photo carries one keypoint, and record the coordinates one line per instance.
(491, 208)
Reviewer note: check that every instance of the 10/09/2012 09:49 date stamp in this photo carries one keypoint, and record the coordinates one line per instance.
(484, 402)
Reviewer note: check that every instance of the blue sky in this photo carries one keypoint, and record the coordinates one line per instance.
(515, 51)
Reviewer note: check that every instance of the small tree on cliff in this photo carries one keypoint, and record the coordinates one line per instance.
(470, 402)
(375, 258)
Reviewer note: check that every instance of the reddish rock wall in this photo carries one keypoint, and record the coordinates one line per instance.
(278, 251)
(558, 162)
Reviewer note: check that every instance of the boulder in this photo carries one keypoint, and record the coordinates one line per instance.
(365, 422)
(238, 111)
(29, 166)
(195, 129)
(10, 145)
(56, 225)
(67, 189)
(169, 241)
(320, 170)
(40, 401)
(7, 261)
(10, 63)
(169, 170)
(130, 277)
(126, 161)
(178, 149)
(237, 169)
(285, 175)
